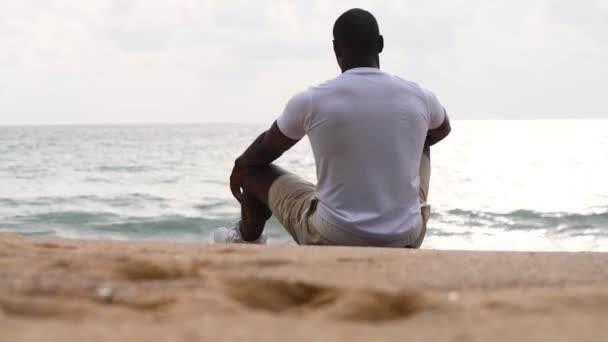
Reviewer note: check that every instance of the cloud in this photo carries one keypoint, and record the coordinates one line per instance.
(68, 61)
(149, 40)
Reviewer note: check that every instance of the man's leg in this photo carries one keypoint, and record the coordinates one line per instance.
(425, 180)
(272, 190)
(255, 210)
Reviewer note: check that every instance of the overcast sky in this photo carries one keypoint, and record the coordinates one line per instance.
(181, 61)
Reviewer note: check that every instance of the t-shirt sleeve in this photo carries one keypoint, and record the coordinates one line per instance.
(437, 113)
(292, 122)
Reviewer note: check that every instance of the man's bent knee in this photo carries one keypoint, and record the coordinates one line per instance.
(259, 179)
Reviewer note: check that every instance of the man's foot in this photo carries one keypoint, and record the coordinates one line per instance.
(233, 235)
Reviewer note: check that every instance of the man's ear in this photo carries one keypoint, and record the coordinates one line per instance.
(337, 49)
(380, 44)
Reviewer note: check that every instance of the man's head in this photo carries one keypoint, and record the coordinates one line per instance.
(357, 39)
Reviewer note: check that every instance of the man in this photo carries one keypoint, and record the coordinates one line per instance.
(370, 133)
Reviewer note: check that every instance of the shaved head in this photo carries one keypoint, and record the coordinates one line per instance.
(357, 31)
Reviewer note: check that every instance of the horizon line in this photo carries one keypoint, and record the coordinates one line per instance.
(81, 124)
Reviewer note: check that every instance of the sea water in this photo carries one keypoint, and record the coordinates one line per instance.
(495, 185)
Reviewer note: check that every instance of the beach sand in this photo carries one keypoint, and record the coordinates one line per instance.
(69, 290)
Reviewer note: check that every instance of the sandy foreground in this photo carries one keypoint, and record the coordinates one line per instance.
(67, 290)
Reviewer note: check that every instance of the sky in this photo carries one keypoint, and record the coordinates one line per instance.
(197, 61)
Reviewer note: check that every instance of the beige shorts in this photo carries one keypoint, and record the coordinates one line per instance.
(292, 201)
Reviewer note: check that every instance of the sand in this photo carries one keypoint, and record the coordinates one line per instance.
(69, 290)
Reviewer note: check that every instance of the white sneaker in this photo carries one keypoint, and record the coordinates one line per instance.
(233, 235)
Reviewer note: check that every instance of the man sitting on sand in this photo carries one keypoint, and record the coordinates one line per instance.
(370, 133)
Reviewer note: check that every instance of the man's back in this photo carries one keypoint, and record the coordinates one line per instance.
(367, 130)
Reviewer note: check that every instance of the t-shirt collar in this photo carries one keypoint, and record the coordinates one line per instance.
(363, 70)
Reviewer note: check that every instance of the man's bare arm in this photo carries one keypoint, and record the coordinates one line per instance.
(436, 135)
(268, 147)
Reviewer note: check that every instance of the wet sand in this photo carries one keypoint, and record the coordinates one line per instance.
(69, 290)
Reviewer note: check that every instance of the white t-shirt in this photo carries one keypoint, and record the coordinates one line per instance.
(367, 131)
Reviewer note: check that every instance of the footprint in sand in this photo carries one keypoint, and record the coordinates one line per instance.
(300, 298)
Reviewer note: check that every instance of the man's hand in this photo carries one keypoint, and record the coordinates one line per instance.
(236, 182)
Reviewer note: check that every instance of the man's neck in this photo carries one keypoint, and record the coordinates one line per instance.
(367, 63)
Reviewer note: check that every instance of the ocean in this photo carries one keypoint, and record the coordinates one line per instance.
(531, 185)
